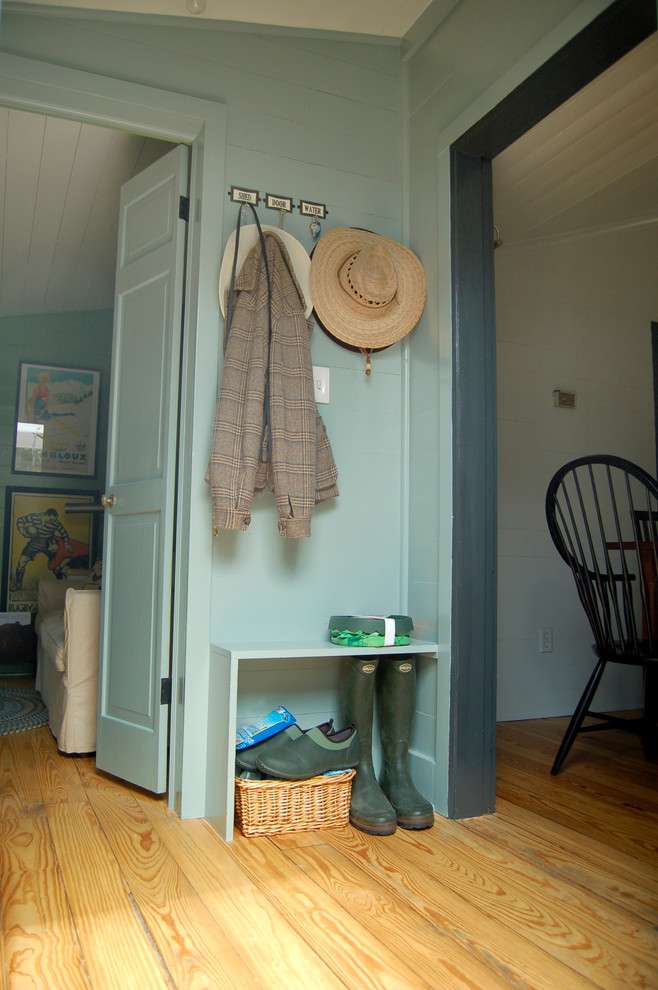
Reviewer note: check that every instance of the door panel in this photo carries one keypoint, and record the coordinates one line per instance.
(141, 474)
(134, 538)
(139, 454)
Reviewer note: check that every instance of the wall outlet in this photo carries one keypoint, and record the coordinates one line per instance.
(545, 640)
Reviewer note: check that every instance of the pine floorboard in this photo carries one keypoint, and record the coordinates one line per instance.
(101, 886)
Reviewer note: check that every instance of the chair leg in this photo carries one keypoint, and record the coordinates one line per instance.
(578, 716)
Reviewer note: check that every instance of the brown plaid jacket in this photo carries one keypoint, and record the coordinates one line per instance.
(268, 433)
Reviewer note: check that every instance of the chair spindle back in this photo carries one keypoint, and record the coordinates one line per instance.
(602, 514)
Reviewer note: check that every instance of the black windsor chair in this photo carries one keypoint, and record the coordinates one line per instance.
(602, 514)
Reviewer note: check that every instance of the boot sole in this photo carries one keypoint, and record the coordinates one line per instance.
(422, 821)
(385, 828)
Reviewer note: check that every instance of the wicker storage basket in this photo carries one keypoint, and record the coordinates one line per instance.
(264, 807)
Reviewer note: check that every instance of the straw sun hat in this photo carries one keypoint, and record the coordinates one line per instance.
(368, 292)
(297, 253)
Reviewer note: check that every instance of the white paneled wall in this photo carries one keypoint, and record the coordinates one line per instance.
(572, 313)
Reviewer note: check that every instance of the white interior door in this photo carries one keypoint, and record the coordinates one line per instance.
(141, 475)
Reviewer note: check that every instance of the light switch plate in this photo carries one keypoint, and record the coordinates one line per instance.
(321, 385)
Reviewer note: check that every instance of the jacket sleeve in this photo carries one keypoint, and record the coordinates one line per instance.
(238, 425)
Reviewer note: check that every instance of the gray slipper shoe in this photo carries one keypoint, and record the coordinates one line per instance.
(246, 758)
(311, 754)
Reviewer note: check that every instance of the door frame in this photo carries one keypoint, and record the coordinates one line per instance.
(654, 362)
(28, 84)
(615, 32)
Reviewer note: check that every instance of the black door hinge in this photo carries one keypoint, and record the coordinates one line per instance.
(165, 691)
(184, 208)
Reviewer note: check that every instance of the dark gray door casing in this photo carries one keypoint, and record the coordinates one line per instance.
(622, 26)
(654, 359)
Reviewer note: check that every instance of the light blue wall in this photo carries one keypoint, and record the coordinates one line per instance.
(76, 340)
(313, 120)
(320, 121)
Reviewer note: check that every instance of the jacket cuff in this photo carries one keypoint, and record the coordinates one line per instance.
(231, 519)
(295, 528)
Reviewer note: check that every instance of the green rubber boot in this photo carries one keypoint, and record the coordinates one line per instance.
(396, 693)
(369, 810)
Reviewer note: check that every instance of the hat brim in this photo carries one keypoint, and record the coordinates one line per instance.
(297, 253)
(343, 343)
(345, 318)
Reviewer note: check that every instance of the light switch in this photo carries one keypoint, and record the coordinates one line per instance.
(321, 384)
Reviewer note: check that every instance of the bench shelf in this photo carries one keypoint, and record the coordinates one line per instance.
(225, 661)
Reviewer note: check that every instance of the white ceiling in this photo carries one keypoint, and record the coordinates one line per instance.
(59, 185)
(383, 18)
(592, 163)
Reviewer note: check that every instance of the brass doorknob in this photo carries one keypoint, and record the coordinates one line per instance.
(108, 501)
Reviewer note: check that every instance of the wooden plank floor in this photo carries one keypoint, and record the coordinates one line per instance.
(103, 887)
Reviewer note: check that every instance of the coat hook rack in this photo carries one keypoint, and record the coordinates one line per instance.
(282, 204)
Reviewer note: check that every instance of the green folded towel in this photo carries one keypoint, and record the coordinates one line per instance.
(371, 630)
(343, 637)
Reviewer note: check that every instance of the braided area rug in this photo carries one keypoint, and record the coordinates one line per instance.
(21, 709)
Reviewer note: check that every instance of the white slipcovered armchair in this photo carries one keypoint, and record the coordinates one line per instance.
(68, 631)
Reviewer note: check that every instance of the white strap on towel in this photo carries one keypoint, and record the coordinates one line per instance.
(389, 632)
(389, 627)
